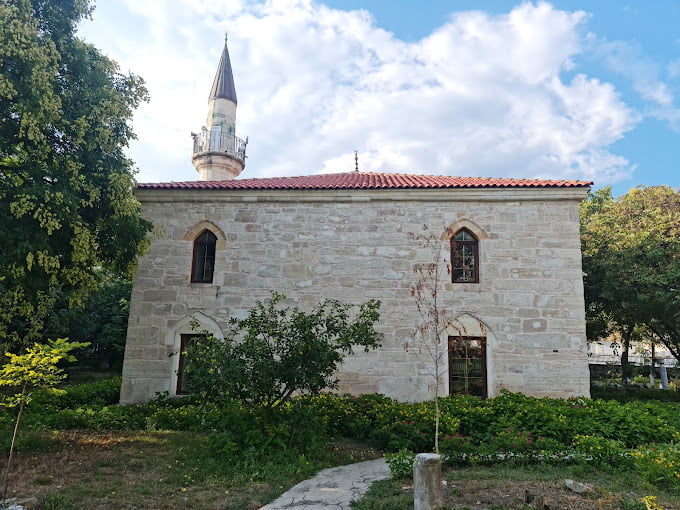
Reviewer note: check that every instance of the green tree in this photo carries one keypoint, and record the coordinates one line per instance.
(66, 202)
(36, 368)
(631, 258)
(101, 321)
(277, 351)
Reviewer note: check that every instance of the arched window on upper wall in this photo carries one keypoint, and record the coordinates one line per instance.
(203, 263)
(464, 257)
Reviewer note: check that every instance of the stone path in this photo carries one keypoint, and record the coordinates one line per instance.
(333, 488)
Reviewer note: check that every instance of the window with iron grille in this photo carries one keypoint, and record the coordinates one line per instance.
(464, 257)
(467, 365)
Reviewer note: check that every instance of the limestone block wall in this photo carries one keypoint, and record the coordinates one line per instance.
(354, 246)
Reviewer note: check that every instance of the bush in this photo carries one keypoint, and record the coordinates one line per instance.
(410, 426)
(532, 425)
(563, 420)
(192, 418)
(660, 465)
(600, 451)
(103, 418)
(401, 463)
(275, 352)
(632, 393)
(235, 426)
(388, 424)
(456, 449)
(518, 446)
(97, 393)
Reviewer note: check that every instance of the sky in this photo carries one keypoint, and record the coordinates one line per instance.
(571, 89)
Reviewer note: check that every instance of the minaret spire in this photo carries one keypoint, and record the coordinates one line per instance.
(218, 153)
(223, 84)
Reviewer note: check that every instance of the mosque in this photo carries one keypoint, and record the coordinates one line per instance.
(509, 249)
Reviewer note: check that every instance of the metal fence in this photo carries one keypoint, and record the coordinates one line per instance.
(216, 141)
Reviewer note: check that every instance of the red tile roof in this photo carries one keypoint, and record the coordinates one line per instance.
(364, 180)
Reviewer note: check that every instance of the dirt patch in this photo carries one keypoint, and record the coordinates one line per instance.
(115, 470)
(513, 494)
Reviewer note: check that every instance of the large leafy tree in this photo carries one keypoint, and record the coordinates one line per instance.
(66, 203)
(631, 257)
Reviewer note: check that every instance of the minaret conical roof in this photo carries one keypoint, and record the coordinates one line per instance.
(223, 85)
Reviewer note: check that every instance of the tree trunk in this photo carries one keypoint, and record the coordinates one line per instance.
(651, 366)
(626, 335)
(14, 440)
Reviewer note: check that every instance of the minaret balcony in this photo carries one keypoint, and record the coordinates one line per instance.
(216, 141)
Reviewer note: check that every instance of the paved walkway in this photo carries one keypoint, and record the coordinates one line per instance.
(333, 488)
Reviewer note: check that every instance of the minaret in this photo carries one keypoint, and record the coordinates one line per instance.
(219, 155)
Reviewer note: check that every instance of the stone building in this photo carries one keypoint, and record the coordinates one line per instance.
(514, 293)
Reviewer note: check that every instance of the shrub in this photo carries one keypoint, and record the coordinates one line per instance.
(104, 418)
(519, 446)
(293, 427)
(340, 415)
(275, 352)
(97, 393)
(192, 418)
(401, 463)
(631, 393)
(600, 451)
(474, 414)
(456, 449)
(660, 465)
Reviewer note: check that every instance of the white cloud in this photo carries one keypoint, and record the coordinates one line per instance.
(629, 60)
(481, 95)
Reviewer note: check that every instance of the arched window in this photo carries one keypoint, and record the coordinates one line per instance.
(203, 264)
(464, 257)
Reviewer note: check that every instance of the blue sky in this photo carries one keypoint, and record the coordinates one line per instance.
(565, 90)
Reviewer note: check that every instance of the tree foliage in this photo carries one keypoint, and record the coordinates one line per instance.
(101, 321)
(277, 351)
(631, 257)
(66, 199)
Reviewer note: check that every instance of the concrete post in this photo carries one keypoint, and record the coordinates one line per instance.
(664, 375)
(427, 482)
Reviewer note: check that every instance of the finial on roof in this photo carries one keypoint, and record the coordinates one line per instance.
(223, 85)
(356, 160)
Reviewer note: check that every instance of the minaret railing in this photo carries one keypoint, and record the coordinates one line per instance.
(207, 141)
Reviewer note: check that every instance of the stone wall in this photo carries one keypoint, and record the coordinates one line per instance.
(353, 246)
